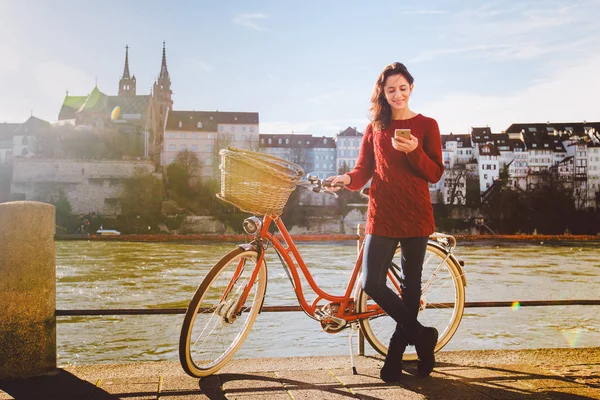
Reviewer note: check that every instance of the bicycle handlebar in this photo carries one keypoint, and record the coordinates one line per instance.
(317, 185)
(327, 184)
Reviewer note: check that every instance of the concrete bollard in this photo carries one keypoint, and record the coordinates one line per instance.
(27, 289)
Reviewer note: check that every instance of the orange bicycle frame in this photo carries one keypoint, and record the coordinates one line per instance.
(292, 260)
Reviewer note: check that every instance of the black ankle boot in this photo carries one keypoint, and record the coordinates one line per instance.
(425, 345)
(392, 366)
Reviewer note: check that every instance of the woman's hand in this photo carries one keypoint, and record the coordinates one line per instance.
(345, 179)
(405, 145)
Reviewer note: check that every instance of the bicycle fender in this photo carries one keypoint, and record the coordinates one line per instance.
(454, 260)
(248, 246)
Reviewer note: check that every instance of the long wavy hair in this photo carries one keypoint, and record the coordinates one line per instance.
(380, 112)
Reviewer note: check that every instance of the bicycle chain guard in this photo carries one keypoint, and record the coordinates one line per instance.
(329, 322)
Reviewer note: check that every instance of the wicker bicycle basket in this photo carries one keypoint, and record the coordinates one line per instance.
(255, 182)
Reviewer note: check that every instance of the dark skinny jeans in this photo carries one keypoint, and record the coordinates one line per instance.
(377, 257)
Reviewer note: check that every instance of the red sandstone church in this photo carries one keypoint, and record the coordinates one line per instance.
(128, 112)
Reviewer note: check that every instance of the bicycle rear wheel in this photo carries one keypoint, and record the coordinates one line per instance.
(442, 302)
(213, 330)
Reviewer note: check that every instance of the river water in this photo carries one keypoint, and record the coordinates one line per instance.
(97, 274)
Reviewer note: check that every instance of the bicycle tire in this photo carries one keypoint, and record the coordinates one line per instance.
(446, 287)
(203, 352)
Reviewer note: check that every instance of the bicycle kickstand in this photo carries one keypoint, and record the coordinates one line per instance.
(353, 327)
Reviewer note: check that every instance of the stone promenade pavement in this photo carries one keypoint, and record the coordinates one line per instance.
(518, 374)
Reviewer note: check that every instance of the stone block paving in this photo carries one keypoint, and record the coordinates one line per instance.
(520, 374)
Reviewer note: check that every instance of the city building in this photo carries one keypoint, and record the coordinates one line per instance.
(457, 152)
(6, 142)
(19, 140)
(204, 133)
(348, 145)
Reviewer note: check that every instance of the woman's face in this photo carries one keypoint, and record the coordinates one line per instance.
(397, 91)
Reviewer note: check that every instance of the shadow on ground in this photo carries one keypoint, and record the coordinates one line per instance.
(62, 385)
(449, 381)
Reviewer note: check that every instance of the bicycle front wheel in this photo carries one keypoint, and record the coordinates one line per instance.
(442, 301)
(216, 324)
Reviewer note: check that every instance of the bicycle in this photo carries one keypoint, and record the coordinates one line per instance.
(230, 297)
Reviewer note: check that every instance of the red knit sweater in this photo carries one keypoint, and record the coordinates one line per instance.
(399, 202)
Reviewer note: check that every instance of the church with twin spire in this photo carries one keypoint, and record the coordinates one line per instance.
(127, 112)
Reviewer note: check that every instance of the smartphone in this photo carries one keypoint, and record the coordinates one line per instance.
(403, 133)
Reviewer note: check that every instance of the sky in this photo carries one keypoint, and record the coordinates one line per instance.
(310, 66)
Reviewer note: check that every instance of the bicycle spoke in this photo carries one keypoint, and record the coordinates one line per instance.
(210, 339)
(442, 302)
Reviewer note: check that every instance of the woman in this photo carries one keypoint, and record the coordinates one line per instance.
(400, 210)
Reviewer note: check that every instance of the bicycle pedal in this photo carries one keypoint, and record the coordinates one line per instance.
(320, 315)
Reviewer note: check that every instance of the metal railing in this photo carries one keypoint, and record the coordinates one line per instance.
(471, 304)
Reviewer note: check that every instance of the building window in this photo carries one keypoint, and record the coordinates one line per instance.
(279, 141)
(243, 129)
(180, 124)
(208, 161)
(251, 129)
(199, 125)
(172, 147)
(194, 147)
(182, 135)
(232, 128)
(183, 147)
(211, 136)
(171, 160)
(287, 141)
(209, 148)
(221, 128)
(269, 140)
(195, 136)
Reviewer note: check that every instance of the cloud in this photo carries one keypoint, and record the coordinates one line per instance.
(54, 78)
(427, 55)
(514, 51)
(423, 12)
(199, 66)
(327, 97)
(10, 60)
(567, 94)
(272, 78)
(517, 32)
(250, 21)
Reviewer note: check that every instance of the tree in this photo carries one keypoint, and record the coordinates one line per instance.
(547, 206)
(189, 162)
(343, 168)
(473, 193)
(64, 219)
(455, 179)
(5, 181)
(177, 181)
(141, 197)
(253, 145)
